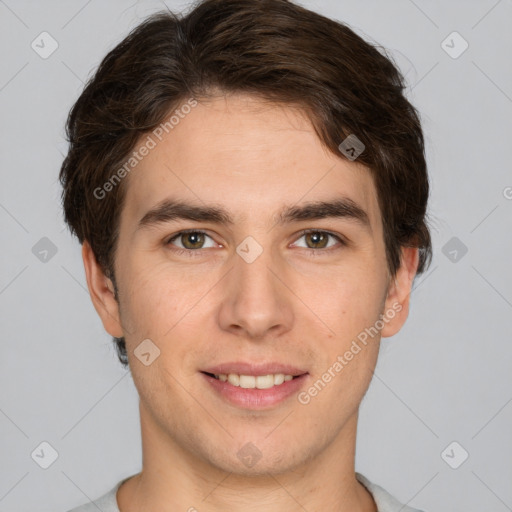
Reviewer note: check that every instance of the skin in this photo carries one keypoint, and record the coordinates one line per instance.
(297, 303)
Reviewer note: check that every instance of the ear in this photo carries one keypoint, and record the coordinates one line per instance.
(101, 290)
(396, 308)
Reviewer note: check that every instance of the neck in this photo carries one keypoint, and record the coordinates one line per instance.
(175, 479)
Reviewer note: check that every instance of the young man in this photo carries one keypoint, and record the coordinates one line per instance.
(250, 189)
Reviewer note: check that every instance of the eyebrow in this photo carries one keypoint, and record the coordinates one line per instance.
(169, 210)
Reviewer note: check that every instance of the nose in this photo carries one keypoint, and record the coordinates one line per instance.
(257, 301)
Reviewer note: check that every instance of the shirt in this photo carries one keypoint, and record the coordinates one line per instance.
(384, 501)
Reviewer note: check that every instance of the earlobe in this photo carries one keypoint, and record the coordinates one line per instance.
(101, 290)
(396, 308)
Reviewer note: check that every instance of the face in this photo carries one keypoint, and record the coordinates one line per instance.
(281, 270)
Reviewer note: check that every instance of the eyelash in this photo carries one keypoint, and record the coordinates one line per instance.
(191, 252)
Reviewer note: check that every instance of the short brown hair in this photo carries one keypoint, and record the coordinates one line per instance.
(273, 49)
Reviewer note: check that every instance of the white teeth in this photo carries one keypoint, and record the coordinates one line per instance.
(278, 379)
(234, 379)
(251, 381)
(265, 381)
(247, 381)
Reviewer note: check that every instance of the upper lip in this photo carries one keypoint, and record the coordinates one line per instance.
(242, 368)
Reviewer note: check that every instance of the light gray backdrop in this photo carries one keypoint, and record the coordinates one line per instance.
(444, 379)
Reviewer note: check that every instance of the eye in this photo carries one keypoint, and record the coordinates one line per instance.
(316, 239)
(190, 240)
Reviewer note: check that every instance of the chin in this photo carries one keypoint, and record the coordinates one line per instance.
(246, 459)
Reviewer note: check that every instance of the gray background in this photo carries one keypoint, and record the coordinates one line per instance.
(445, 377)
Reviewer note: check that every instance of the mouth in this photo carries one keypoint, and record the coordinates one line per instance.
(255, 387)
(253, 381)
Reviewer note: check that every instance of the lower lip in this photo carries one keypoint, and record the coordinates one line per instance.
(256, 398)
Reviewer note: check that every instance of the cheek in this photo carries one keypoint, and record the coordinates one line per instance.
(349, 300)
(162, 302)
(150, 300)
(350, 352)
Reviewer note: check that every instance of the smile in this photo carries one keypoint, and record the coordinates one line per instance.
(254, 381)
(256, 392)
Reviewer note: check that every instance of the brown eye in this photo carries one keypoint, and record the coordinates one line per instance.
(191, 240)
(315, 239)
(318, 239)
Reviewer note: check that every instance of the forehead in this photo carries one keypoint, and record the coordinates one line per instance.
(251, 156)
